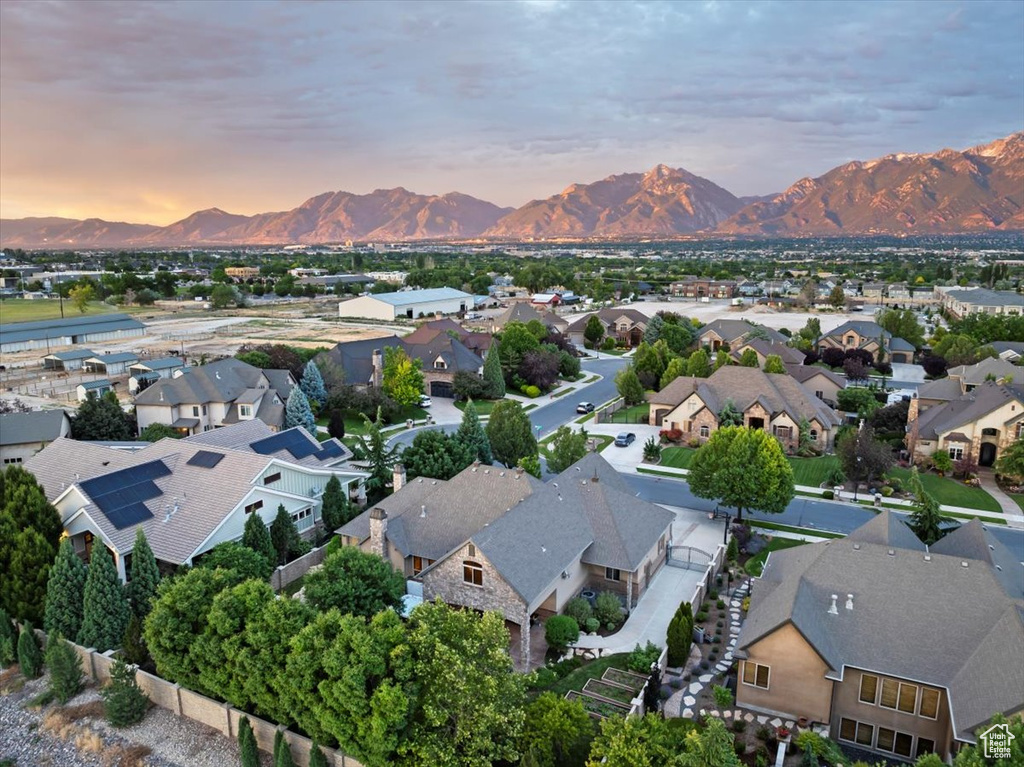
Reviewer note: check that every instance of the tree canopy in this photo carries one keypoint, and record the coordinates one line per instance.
(102, 418)
(566, 448)
(402, 376)
(510, 433)
(438, 455)
(471, 432)
(298, 412)
(355, 582)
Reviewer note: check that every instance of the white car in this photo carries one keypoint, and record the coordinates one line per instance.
(425, 401)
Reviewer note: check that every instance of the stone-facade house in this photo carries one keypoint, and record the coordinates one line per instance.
(869, 336)
(497, 539)
(764, 349)
(733, 333)
(219, 394)
(699, 287)
(858, 634)
(825, 384)
(979, 424)
(775, 402)
(522, 311)
(625, 325)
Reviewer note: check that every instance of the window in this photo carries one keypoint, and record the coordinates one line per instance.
(204, 409)
(272, 478)
(1020, 430)
(439, 364)
(195, 410)
(886, 739)
(301, 515)
(12, 460)
(890, 689)
(473, 572)
(819, 394)
(471, 550)
(899, 695)
(245, 411)
(705, 431)
(907, 699)
(692, 405)
(856, 732)
(868, 689)
(783, 432)
(254, 507)
(850, 340)
(929, 703)
(924, 746)
(904, 744)
(956, 453)
(814, 435)
(417, 565)
(611, 574)
(755, 675)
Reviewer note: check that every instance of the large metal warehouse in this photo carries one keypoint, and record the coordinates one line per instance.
(409, 304)
(50, 334)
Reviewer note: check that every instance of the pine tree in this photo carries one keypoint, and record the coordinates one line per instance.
(30, 659)
(312, 384)
(334, 506)
(257, 537)
(298, 413)
(8, 640)
(471, 432)
(133, 646)
(65, 592)
(316, 755)
(65, 668)
(124, 701)
(284, 535)
(105, 611)
(145, 576)
(494, 379)
(247, 744)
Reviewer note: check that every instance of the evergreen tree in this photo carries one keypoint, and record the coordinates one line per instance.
(145, 576)
(593, 331)
(377, 458)
(316, 755)
(30, 659)
(749, 359)
(133, 646)
(629, 387)
(65, 668)
(676, 367)
(312, 384)
(334, 506)
(773, 364)
(284, 535)
(282, 751)
(510, 433)
(652, 334)
(298, 413)
(250, 752)
(102, 418)
(494, 380)
(336, 424)
(105, 611)
(437, 455)
(8, 640)
(124, 701)
(471, 431)
(65, 592)
(926, 518)
(256, 537)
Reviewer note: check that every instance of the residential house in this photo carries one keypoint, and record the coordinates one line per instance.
(732, 333)
(775, 402)
(857, 634)
(825, 384)
(625, 325)
(873, 290)
(989, 369)
(1011, 351)
(550, 300)
(524, 312)
(961, 302)
(764, 348)
(476, 342)
(187, 495)
(899, 291)
(142, 374)
(779, 287)
(22, 435)
(699, 287)
(869, 336)
(214, 395)
(496, 539)
(979, 424)
(748, 288)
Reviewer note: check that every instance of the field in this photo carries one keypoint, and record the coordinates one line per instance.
(23, 310)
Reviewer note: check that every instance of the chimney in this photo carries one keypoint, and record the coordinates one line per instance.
(849, 601)
(378, 532)
(377, 361)
(832, 610)
(398, 477)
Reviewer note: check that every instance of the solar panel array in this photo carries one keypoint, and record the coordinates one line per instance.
(205, 458)
(330, 449)
(292, 440)
(122, 495)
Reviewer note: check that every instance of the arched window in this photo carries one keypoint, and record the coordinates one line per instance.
(705, 432)
(814, 435)
(472, 572)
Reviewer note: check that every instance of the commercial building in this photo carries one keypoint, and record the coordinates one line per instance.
(407, 304)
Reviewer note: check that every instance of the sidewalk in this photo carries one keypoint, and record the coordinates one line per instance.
(988, 483)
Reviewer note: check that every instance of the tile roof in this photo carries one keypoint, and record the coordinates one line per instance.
(34, 426)
(973, 650)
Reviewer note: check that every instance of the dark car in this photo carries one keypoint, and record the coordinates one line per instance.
(625, 439)
(585, 407)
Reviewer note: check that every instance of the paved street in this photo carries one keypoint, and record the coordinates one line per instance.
(563, 409)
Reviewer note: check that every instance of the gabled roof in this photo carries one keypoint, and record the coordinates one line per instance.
(101, 383)
(16, 332)
(804, 373)
(407, 297)
(454, 353)
(521, 311)
(996, 367)
(973, 650)
(34, 426)
(766, 348)
(732, 330)
(610, 315)
(887, 529)
(355, 358)
(968, 408)
(163, 363)
(974, 540)
(109, 359)
(245, 435)
(865, 328)
(941, 389)
(73, 354)
(986, 297)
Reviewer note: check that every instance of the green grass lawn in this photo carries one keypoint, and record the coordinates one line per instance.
(483, 406)
(677, 457)
(24, 310)
(593, 670)
(1018, 499)
(354, 424)
(812, 471)
(951, 492)
(563, 392)
(755, 564)
(631, 414)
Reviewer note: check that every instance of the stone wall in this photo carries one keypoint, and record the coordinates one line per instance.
(445, 580)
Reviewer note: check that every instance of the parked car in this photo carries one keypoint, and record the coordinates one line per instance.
(425, 401)
(625, 439)
(585, 407)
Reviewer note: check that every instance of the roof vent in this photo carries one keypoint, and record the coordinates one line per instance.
(554, 484)
(543, 550)
(990, 546)
(423, 511)
(891, 552)
(833, 610)
(927, 557)
(501, 474)
(999, 568)
(964, 563)
(856, 547)
(849, 601)
(487, 471)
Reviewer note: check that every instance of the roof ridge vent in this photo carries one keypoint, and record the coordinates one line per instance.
(964, 563)
(833, 610)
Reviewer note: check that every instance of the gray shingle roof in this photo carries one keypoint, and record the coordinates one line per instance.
(355, 358)
(162, 363)
(887, 529)
(991, 366)
(986, 297)
(523, 312)
(34, 426)
(941, 389)
(804, 373)
(957, 628)
(973, 540)
(968, 408)
(108, 359)
(733, 330)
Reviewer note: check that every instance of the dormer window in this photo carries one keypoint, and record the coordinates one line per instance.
(245, 411)
(440, 364)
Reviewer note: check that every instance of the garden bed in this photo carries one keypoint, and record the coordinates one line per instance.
(597, 708)
(610, 692)
(630, 679)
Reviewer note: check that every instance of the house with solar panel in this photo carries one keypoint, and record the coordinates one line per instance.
(219, 394)
(188, 495)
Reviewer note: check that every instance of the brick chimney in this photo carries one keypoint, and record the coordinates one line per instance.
(398, 477)
(378, 532)
(377, 376)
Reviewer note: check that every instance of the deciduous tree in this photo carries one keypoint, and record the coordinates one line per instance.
(902, 323)
(926, 518)
(402, 377)
(698, 365)
(158, 431)
(743, 468)
(593, 331)
(566, 447)
(355, 582)
(81, 295)
(437, 455)
(676, 367)
(102, 418)
(862, 456)
(238, 557)
(629, 386)
(749, 359)
(773, 364)
(557, 731)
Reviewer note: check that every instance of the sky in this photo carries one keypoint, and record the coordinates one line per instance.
(148, 111)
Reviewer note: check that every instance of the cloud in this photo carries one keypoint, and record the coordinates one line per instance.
(105, 106)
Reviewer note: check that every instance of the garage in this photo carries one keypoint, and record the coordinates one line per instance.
(442, 389)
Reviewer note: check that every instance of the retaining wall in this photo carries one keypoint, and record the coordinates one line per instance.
(291, 572)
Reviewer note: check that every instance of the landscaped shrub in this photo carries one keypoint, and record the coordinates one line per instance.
(532, 391)
(125, 703)
(820, 747)
(560, 631)
(565, 667)
(680, 635)
(593, 625)
(701, 617)
(65, 668)
(250, 752)
(720, 604)
(610, 627)
(732, 551)
(541, 679)
(745, 604)
(739, 725)
(705, 665)
(608, 344)
(608, 609)
(713, 594)
(642, 657)
(886, 491)
(29, 657)
(720, 624)
(579, 609)
(8, 639)
(828, 495)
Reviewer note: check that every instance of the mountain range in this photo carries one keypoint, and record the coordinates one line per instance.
(948, 192)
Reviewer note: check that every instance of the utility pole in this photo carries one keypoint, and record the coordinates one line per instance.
(60, 297)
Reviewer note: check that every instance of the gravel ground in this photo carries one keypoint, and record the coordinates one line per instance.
(31, 737)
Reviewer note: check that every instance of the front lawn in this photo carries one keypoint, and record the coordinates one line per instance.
(677, 457)
(632, 414)
(1019, 500)
(483, 406)
(755, 564)
(950, 492)
(813, 471)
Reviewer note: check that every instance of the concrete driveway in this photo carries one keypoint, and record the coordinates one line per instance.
(624, 458)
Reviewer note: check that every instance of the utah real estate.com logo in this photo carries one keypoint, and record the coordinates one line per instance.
(997, 741)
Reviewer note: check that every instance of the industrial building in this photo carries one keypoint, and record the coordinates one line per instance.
(111, 364)
(51, 334)
(408, 304)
